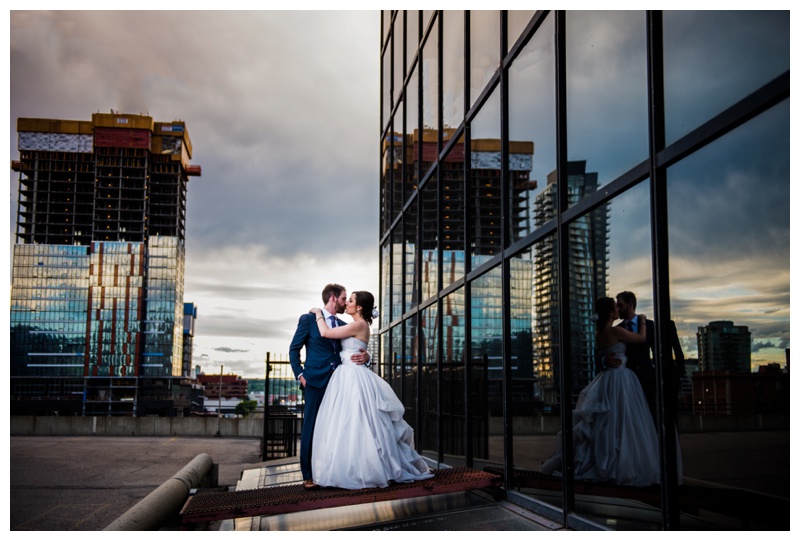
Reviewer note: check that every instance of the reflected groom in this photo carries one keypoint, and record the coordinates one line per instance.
(639, 355)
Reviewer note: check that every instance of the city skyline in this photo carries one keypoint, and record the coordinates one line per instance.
(297, 173)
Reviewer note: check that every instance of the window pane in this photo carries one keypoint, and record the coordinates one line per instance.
(532, 125)
(452, 387)
(430, 89)
(386, 186)
(534, 346)
(395, 375)
(429, 404)
(386, 93)
(729, 218)
(484, 44)
(410, 148)
(411, 267)
(607, 123)
(712, 59)
(385, 284)
(429, 239)
(486, 370)
(401, 173)
(399, 49)
(451, 175)
(409, 396)
(397, 273)
(453, 69)
(518, 19)
(387, 21)
(412, 34)
(485, 195)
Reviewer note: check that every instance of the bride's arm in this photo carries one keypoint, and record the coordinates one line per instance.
(337, 333)
(630, 337)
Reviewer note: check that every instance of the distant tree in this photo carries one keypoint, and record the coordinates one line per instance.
(245, 407)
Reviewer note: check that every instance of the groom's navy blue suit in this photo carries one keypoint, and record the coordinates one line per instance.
(640, 360)
(322, 356)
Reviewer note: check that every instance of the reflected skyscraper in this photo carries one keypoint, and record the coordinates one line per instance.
(444, 226)
(678, 125)
(721, 345)
(588, 275)
(98, 264)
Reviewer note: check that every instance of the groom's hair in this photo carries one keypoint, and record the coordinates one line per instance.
(331, 289)
(628, 298)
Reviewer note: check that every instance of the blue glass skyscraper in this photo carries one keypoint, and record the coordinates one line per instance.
(97, 287)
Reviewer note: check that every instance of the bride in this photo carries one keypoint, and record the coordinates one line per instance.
(360, 437)
(613, 432)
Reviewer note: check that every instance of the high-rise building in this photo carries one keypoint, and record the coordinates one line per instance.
(97, 288)
(721, 345)
(189, 317)
(588, 268)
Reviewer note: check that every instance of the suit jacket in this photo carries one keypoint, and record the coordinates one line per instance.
(322, 354)
(641, 363)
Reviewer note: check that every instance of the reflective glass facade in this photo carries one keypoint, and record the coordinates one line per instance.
(535, 161)
(97, 287)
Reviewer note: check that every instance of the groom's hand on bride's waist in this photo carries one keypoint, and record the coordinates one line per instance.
(611, 361)
(362, 357)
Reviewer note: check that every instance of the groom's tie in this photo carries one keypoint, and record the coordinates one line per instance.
(335, 342)
(629, 326)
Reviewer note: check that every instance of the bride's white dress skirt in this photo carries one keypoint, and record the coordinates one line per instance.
(614, 435)
(360, 437)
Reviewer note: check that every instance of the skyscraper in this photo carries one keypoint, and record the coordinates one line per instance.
(721, 345)
(588, 262)
(97, 287)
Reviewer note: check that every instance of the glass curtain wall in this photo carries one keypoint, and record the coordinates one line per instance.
(534, 162)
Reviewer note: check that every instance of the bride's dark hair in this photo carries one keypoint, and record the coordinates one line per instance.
(603, 307)
(366, 301)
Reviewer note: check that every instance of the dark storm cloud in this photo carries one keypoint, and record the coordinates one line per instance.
(279, 107)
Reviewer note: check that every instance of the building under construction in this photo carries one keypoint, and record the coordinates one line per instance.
(98, 263)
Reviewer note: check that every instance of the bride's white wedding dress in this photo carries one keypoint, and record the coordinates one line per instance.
(360, 437)
(613, 432)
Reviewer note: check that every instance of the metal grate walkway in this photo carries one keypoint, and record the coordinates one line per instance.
(213, 506)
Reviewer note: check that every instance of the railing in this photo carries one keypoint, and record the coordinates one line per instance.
(283, 410)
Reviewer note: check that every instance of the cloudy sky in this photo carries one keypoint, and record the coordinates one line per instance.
(282, 109)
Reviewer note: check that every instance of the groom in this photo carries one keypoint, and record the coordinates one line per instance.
(639, 358)
(322, 357)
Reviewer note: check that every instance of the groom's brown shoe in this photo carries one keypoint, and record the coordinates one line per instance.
(308, 484)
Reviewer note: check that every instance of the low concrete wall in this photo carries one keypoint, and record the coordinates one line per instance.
(248, 427)
(252, 427)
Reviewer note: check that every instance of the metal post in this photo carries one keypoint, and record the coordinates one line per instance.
(219, 408)
(266, 410)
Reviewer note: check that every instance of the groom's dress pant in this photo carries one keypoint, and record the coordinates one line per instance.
(313, 399)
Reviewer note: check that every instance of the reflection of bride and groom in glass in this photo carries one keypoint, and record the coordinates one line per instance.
(613, 423)
(354, 435)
